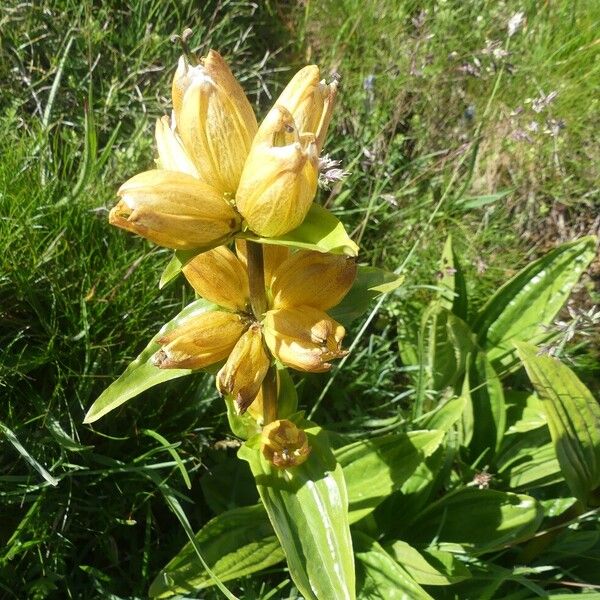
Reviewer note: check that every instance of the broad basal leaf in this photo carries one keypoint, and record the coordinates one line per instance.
(234, 544)
(525, 305)
(430, 568)
(370, 282)
(379, 576)
(320, 231)
(479, 520)
(453, 290)
(375, 468)
(308, 508)
(141, 374)
(573, 419)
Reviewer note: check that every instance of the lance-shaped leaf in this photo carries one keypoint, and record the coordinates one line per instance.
(141, 374)
(379, 576)
(370, 282)
(234, 544)
(308, 508)
(320, 231)
(430, 568)
(573, 419)
(375, 468)
(527, 303)
(479, 520)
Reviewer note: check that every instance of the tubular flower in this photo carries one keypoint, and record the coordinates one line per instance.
(310, 102)
(245, 369)
(201, 341)
(214, 119)
(174, 210)
(284, 444)
(280, 177)
(295, 329)
(304, 338)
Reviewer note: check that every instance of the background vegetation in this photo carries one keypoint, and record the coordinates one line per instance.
(446, 125)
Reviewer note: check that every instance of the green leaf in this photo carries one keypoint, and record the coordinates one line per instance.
(489, 407)
(370, 282)
(525, 305)
(141, 374)
(308, 508)
(379, 576)
(573, 419)
(479, 520)
(539, 469)
(234, 544)
(320, 231)
(433, 568)
(453, 290)
(374, 468)
(445, 415)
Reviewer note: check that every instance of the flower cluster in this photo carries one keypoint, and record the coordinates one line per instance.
(218, 171)
(219, 174)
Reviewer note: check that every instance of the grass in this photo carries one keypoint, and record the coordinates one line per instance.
(78, 300)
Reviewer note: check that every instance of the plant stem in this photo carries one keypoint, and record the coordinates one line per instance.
(258, 300)
(269, 393)
(256, 277)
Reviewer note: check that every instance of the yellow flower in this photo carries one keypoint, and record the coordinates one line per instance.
(174, 210)
(310, 102)
(280, 176)
(303, 338)
(284, 444)
(295, 329)
(171, 153)
(220, 277)
(243, 373)
(214, 120)
(201, 341)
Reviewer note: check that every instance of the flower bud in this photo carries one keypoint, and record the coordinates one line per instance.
(201, 341)
(220, 277)
(273, 256)
(245, 369)
(284, 444)
(214, 120)
(312, 279)
(310, 102)
(279, 180)
(303, 338)
(174, 210)
(171, 154)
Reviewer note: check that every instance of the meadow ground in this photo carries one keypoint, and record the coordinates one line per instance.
(446, 124)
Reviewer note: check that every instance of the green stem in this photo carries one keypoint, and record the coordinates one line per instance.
(258, 301)
(256, 278)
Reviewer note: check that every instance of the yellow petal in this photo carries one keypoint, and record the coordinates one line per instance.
(310, 102)
(220, 277)
(312, 279)
(201, 341)
(245, 369)
(214, 120)
(171, 155)
(279, 182)
(174, 210)
(303, 338)
(284, 444)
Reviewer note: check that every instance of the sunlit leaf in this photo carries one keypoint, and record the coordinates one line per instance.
(141, 374)
(379, 576)
(525, 305)
(320, 231)
(573, 419)
(235, 543)
(308, 508)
